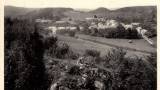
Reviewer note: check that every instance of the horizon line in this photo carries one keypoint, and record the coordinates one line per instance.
(81, 8)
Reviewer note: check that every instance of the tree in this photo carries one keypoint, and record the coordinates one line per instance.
(95, 16)
(24, 67)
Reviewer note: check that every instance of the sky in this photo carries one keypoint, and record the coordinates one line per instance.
(85, 4)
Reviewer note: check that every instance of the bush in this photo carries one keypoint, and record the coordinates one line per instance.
(70, 83)
(50, 42)
(72, 55)
(71, 33)
(94, 32)
(75, 70)
(54, 69)
(57, 49)
(93, 53)
(152, 58)
(61, 50)
(114, 57)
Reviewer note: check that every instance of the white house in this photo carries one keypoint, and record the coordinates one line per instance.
(43, 20)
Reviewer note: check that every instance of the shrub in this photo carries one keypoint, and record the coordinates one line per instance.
(131, 34)
(94, 32)
(70, 83)
(99, 60)
(61, 50)
(75, 70)
(50, 42)
(93, 53)
(114, 57)
(54, 69)
(88, 61)
(71, 33)
(57, 49)
(72, 55)
(152, 58)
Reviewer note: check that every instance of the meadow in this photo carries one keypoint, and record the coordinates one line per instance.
(79, 45)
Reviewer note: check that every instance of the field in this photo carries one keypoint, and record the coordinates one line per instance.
(79, 45)
(138, 44)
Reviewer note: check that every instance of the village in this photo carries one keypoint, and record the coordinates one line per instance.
(98, 24)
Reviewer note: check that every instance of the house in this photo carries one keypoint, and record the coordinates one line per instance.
(62, 25)
(43, 21)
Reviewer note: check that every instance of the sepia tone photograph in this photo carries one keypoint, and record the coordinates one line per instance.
(80, 45)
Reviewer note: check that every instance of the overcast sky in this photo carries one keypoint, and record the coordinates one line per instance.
(87, 4)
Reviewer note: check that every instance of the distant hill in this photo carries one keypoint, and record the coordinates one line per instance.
(138, 13)
(48, 13)
(11, 11)
(100, 10)
(126, 14)
(32, 13)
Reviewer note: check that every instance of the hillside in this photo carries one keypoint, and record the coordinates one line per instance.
(100, 10)
(139, 13)
(33, 13)
(11, 11)
(48, 13)
(127, 14)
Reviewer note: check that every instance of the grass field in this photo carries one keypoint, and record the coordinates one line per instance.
(80, 45)
(138, 44)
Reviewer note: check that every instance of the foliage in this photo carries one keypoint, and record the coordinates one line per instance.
(120, 73)
(75, 70)
(54, 69)
(152, 58)
(130, 73)
(93, 53)
(50, 42)
(24, 67)
(118, 32)
(114, 57)
(72, 55)
(136, 74)
(56, 49)
(151, 27)
(72, 33)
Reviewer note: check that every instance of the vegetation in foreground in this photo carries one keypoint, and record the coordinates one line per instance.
(114, 71)
(24, 49)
